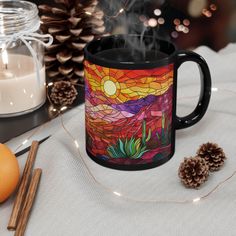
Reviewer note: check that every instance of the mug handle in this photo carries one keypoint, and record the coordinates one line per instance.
(205, 93)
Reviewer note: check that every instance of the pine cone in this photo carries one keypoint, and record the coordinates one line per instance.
(63, 93)
(72, 23)
(213, 155)
(193, 171)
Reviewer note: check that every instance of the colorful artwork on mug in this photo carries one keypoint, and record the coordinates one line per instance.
(128, 114)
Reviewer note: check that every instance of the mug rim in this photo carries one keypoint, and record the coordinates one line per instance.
(90, 57)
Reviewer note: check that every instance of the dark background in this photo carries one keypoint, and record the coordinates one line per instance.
(215, 31)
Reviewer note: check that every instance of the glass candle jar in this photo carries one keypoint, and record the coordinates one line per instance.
(22, 70)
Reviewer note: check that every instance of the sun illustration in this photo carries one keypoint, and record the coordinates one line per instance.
(110, 86)
(124, 85)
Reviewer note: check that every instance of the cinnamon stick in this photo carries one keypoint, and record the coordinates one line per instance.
(20, 197)
(29, 200)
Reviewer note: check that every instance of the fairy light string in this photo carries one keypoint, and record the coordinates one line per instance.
(118, 194)
(115, 192)
(124, 196)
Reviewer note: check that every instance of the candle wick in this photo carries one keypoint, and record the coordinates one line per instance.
(6, 66)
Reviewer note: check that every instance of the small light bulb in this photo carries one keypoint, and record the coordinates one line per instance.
(121, 10)
(88, 13)
(214, 89)
(76, 144)
(117, 194)
(63, 108)
(196, 199)
(24, 142)
(50, 84)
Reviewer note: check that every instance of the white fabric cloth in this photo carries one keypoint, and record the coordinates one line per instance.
(70, 203)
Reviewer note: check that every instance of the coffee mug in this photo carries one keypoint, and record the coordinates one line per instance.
(130, 100)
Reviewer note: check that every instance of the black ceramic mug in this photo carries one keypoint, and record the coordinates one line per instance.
(130, 99)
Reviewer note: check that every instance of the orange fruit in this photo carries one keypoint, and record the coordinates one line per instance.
(9, 172)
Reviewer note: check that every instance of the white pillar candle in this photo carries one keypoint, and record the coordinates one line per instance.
(20, 91)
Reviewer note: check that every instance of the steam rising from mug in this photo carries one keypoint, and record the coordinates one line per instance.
(129, 23)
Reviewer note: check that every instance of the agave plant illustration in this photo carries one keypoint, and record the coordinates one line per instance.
(129, 148)
(132, 148)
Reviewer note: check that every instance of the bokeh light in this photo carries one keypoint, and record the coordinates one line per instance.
(177, 21)
(174, 34)
(186, 22)
(186, 30)
(157, 12)
(152, 22)
(145, 23)
(180, 27)
(206, 13)
(161, 21)
(142, 18)
(213, 7)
